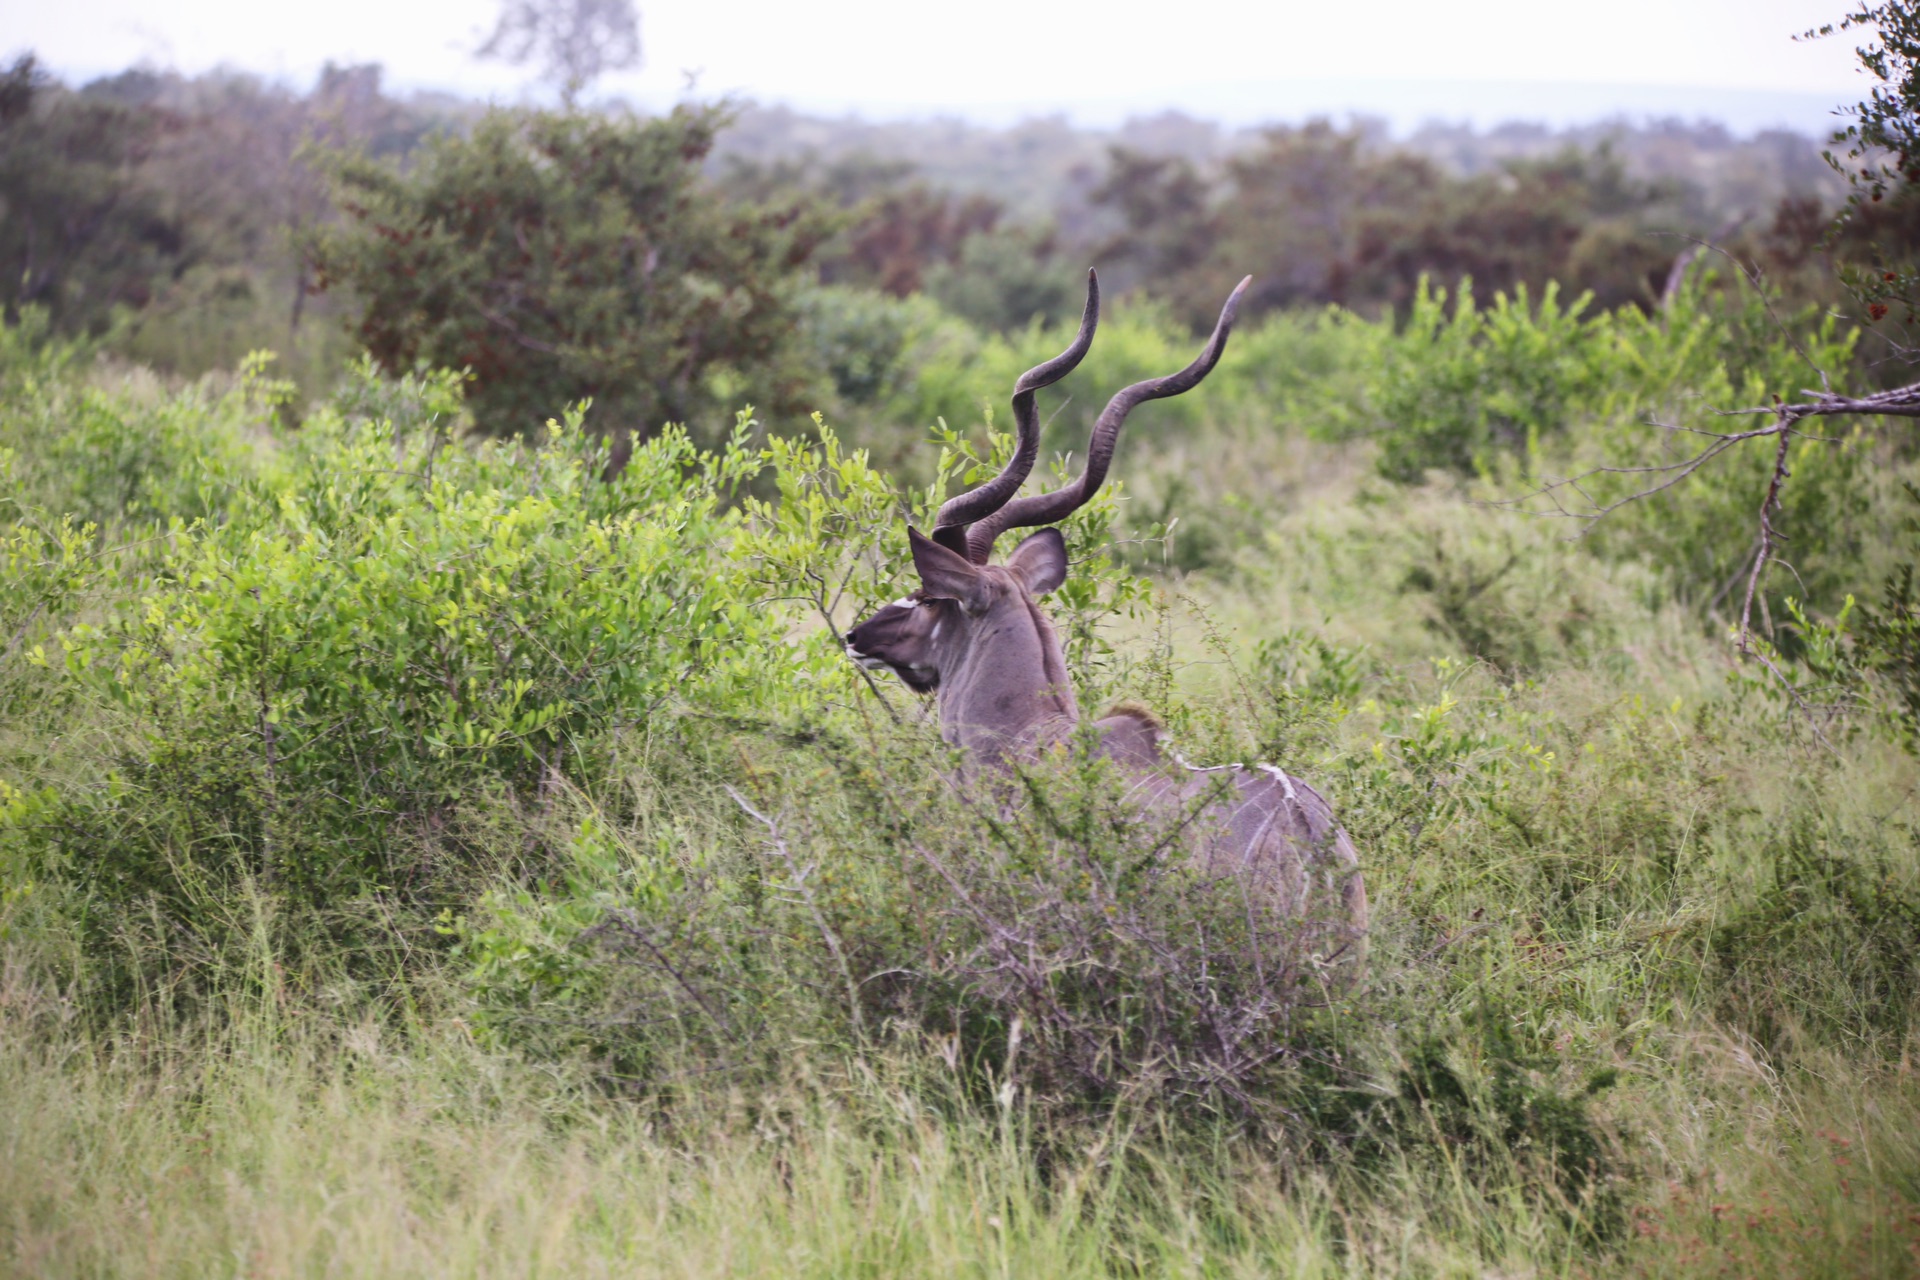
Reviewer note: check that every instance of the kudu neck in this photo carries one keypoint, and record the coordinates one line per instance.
(1003, 687)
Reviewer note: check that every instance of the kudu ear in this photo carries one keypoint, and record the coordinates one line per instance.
(945, 575)
(1041, 561)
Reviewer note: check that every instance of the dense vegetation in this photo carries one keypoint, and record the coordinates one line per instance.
(440, 789)
(438, 836)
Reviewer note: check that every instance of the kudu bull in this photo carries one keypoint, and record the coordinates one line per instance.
(974, 635)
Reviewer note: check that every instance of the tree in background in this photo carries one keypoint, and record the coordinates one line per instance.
(574, 41)
(1324, 215)
(1881, 161)
(230, 171)
(557, 257)
(1303, 207)
(179, 207)
(78, 235)
(159, 210)
(1165, 206)
(960, 250)
(1007, 278)
(1577, 218)
(899, 235)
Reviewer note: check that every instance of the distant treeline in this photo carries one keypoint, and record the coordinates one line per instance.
(176, 216)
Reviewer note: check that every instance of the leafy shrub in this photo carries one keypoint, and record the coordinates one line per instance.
(397, 634)
(858, 338)
(889, 363)
(90, 477)
(46, 567)
(31, 353)
(1462, 393)
(1865, 656)
(1007, 279)
(124, 460)
(1457, 393)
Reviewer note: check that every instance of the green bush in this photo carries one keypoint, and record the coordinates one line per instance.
(557, 257)
(1466, 393)
(314, 693)
(127, 458)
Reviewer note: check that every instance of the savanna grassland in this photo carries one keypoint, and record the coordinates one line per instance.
(423, 856)
(441, 832)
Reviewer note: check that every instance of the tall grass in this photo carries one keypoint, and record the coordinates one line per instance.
(291, 1143)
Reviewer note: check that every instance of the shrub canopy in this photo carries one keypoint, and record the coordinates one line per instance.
(558, 257)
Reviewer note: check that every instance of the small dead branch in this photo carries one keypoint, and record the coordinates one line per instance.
(1677, 274)
(1768, 535)
(1900, 402)
(799, 884)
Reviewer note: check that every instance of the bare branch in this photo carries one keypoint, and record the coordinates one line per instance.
(1900, 402)
(1677, 274)
(1768, 535)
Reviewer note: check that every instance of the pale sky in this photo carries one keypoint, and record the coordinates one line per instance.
(999, 59)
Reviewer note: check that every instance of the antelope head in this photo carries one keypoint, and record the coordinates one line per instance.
(973, 632)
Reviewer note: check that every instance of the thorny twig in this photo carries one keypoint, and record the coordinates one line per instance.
(800, 875)
(825, 609)
(637, 932)
(1806, 708)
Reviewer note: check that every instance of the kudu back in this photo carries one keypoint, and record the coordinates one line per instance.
(974, 636)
